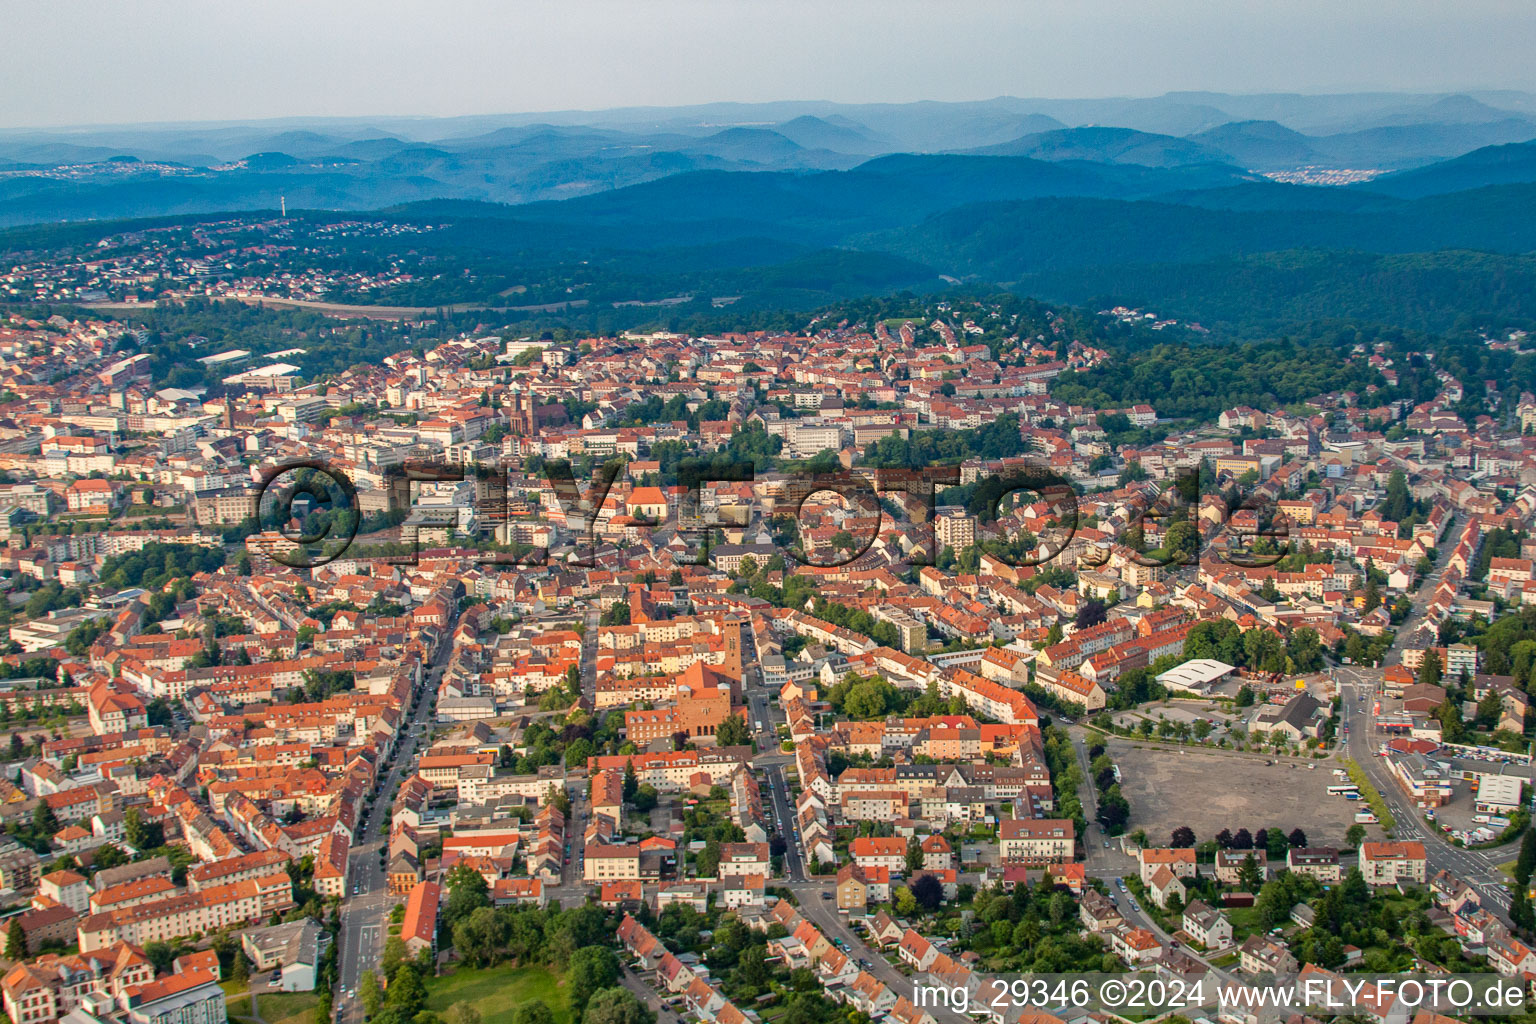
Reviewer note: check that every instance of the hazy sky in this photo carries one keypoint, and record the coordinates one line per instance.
(108, 61)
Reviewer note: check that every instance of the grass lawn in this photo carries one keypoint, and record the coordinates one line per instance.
(287, 1007)
(1245, 922)
(497, 992)
(238, 1007)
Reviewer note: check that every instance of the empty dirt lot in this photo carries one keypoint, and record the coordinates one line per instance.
(1212, 791)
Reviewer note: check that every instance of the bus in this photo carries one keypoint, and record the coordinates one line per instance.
(1344, 790)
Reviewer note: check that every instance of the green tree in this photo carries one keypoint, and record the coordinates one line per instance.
(1489, 709)
(708, 862)
(1525, 863)
(109, 856)
(408, 995)
(1397, 505)
(533, 1012)
(733, 732)
(395, 954)
(160, 955)
(467, 892)
(1248, 876)
(616, 1006)
(591, 969)
(914, 855)
(44, 823)
(1452, 730)
(15, 941)
(368, 992)
(1372, 594)
(1520, 910)
(1305, 649)
(1355, 835)
(1430, 669)
(480, 936)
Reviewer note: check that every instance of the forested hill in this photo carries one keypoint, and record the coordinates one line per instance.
(1196, 240)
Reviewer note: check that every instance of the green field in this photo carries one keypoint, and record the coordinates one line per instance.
(238, 1008)
(287, 1007)
(497, 992)
(1245, 922)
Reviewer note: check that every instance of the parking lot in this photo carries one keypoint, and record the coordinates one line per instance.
(1210, 791)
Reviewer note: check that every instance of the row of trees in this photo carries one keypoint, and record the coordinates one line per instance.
(1519, 903)
(1259, 649)
(1114, 809)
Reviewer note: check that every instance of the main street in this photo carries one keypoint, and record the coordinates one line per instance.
(365, 916)
(1423, 595)
(789, 826)
(572, 890)
(1359, 688)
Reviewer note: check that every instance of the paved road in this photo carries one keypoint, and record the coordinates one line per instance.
(1359, 687)
(1100, 861)
(823, 914)
(784, 813)
(1142, 919)
(589, 656)
(572, 890)
(1422, 596)
(762, 712)
(647, 995)
(365, 916)
(1478, 869)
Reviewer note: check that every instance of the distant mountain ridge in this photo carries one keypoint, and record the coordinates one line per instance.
(1100, 144)
(360, 163)
(797, 202)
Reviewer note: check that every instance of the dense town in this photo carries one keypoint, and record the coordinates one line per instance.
(741, 677)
